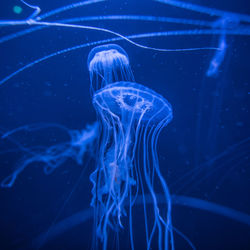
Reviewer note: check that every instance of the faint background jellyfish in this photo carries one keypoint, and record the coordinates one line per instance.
(224, 23)
(52, 157)
(218, 65)
(132, 117)
(108, 64)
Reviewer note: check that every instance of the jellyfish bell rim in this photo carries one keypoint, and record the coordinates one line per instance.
(105, 47)
(159, 103)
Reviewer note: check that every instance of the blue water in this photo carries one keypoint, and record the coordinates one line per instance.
(203, 152)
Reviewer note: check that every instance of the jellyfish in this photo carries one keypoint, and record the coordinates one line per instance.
(132, 117)
(108, 64)
(224, 23)
(53, 156)
(19, 72)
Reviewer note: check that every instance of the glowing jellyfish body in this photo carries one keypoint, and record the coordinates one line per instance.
(54, 156)
(108, 64)
(132, 117)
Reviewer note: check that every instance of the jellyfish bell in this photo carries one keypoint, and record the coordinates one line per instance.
(132, 117)
(132, 98)
(108, 64)
(106, 54)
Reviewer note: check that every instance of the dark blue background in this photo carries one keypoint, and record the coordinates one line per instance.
(57, 91)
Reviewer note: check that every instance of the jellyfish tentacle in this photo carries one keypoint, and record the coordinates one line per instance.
(110, 17)
(85, 27)
(55, 155)
(67, 7)
(177, 200)
(126, 38)
(127, 110)
(205, 10)
(36, 9)
(39, 18)
(187, 180)
(137, 36)
(33, 127)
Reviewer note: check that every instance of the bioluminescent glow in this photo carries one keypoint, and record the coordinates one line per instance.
(52, 157)
(108, 64)
(127, 187)
(37, 20)
(205, 10)
(222, 29)
(218, 58)
(132, 117)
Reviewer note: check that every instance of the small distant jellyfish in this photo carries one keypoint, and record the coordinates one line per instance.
(132, 117)
(218, 58)
(108, 64)
(224, 23)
